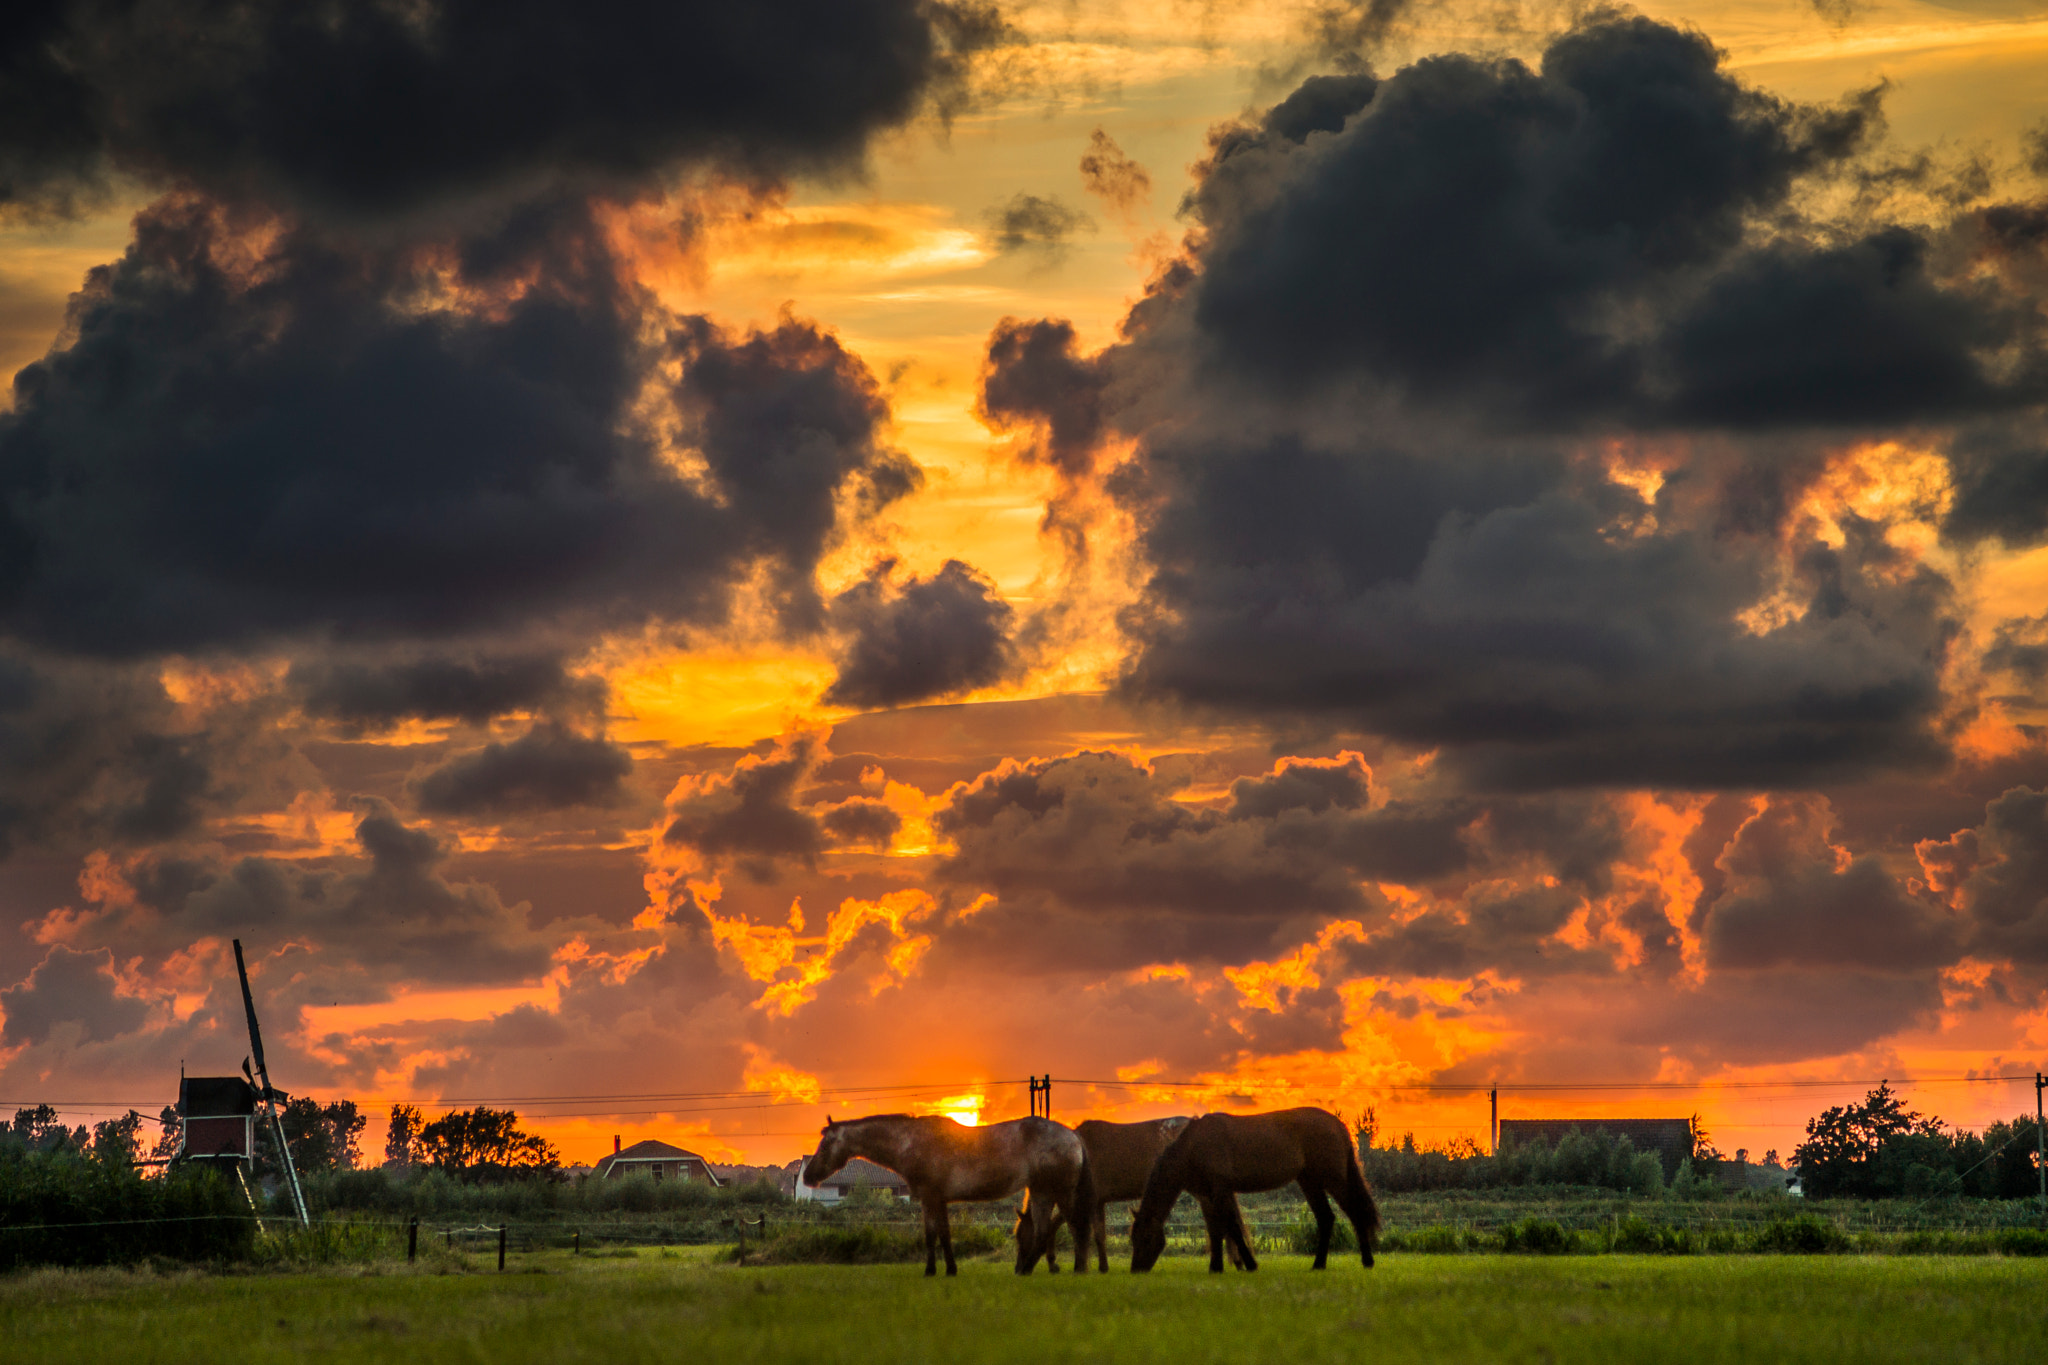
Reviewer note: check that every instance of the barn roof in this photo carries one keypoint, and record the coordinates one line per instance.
(653, 1150)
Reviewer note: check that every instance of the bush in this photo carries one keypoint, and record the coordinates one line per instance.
(871, 1245)
(1807, 1235)
(68, 1208)
(1437, 1239)
(1538, 1236)
(1301, 1235)
(2022, 1242)
(1634, 1235)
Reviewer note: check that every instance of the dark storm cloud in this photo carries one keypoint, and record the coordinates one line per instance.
(386, 909)
(1374, 412)
(473, 688)
(1997, 874)
(451, 471)
(862, 820)
(69, 987)
(1096, 852)
(1028, 223)
(363, 109)
(1034, 377)
(547, 768)
(750, 814)
(101, 754)
(1524, 207)
(788, 420)
(1791, 902)
(923, 639)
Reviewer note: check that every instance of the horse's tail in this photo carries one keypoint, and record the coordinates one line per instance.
(1361, 1197)
(1081, 1212)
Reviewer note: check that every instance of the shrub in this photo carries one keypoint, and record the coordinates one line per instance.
(870, 1245)
(1807, 1235)
(1301, 1235)
(2022, 1242)
(66, 1208)
(1538, 1236)
(1634, 1235)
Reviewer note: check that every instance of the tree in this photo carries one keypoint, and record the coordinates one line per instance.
(40, 1130)
(401, 1144)
(118, 1142)
(1844, 1147)
(170, 1131)
(323, 1136)
(483, 1143)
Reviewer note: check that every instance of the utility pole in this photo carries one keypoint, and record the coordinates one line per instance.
(291, 1172)
(1493, 1122)
(2041, 1142)
(1041, 1095)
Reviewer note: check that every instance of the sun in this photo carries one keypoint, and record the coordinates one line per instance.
(962, 1109)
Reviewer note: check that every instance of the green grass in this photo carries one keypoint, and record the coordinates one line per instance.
(665, 1305)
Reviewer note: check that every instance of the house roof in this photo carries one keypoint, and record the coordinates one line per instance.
(215, 1096)
(862, 1172)
(652, 1150)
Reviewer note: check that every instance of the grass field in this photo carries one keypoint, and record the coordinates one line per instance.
(682, 1305)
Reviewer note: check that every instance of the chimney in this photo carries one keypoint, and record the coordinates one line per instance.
(615, 1144)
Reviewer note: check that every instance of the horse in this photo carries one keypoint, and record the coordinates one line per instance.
(1120, 1157)
(946, 1162)
(1219, 1155)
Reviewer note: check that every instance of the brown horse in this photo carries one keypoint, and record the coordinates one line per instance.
(1218, 1155)
(1120, 1157)
(945, 1162)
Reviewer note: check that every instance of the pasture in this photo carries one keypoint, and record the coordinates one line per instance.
(662, 1305)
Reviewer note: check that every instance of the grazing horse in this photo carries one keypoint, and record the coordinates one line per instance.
(1219, 1155)
(1120, 1157)
(945, 1162)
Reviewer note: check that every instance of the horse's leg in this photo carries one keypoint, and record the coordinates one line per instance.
(1100, 1226)
(1326, 1221)
(1232, 1219)
(1212, 1223)
(946, 1238)
(1356, 1201)
(934, 1220)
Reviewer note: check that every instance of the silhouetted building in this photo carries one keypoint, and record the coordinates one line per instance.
(657, 1159)
(217, 1119)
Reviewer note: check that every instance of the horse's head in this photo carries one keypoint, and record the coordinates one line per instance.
(1148, 1241)
(835, 1149)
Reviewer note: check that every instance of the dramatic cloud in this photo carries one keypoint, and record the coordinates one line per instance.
(362, 109)
(1486, 414)
(452, 470)
(69, 987)
(547, 768)
(1997, 874)
(929, 637)
(388, 911)
(471, 688)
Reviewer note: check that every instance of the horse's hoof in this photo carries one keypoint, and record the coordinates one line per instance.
(952, 1270)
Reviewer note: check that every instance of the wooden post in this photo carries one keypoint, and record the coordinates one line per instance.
(501, 1246)
(412, 1240)
(1493, 1122)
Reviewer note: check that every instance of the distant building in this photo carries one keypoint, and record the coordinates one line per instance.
(1670, 1139)
(657, 1159)
(858, 1174)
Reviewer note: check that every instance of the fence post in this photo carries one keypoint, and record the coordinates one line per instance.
(412, 1240)
(501, 1246)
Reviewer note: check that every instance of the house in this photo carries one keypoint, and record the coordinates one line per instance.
(657, 1159)
(1670, 1139)
(858, 1174)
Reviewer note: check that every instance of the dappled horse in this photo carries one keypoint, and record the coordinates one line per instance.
(946, 1162)
(1120, 1157)
(1219, 1155)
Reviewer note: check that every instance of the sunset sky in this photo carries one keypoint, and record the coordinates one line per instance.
(684, 568)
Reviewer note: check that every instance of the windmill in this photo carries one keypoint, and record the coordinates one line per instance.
(267, 1092)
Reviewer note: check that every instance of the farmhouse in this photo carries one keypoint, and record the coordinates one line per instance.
(859, 1174)
(1670, 1139)
(657, 1159)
